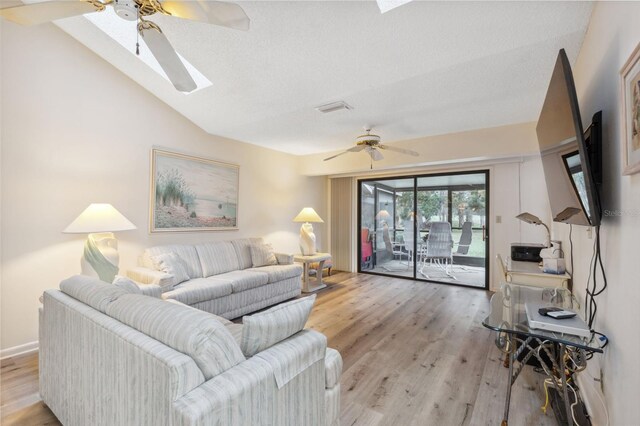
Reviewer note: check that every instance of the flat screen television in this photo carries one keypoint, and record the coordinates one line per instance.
(570, 157)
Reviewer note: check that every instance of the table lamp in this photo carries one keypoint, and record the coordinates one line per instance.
(100, 221)
(383, 215)
(535, 220)
(307, 237)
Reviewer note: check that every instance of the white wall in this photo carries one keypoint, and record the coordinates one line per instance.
(613, 33)
(75, 131)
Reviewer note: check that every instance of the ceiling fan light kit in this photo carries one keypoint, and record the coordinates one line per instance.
(213, 12)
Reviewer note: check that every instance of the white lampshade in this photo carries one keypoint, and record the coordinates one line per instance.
(383, 214)
(99, 217)
(308, 214)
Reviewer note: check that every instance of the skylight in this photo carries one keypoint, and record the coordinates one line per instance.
(124, 32)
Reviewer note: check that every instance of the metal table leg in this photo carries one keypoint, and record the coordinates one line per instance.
(512, 358)
(565, 387)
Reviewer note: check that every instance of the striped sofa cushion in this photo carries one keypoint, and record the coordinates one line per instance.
(190, 331)
(187, 253)
(265, 329)
(280, 272)
(243, 251)
(217, 258)
(244, 280)
(126, 284)
(92, 291)
(172, 264)
(262, 255)
(199, 290)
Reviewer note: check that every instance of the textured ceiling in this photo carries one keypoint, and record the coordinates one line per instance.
(422, 69)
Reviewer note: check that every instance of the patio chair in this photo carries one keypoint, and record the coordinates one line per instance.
(502, 270)
(439, 251)
(366, 261)
(465, 239)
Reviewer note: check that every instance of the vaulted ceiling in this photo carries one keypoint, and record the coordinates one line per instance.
(422, 69)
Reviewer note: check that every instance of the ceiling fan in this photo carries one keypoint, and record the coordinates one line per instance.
(220, 13)
(371, 144)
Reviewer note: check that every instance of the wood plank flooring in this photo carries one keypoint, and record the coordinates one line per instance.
(414, 353)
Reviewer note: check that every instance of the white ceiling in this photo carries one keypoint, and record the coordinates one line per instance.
(422, 69)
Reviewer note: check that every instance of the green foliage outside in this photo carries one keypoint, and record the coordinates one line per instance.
(172, 190)
(432, 205)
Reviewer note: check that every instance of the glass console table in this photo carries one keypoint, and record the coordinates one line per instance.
(560, 355)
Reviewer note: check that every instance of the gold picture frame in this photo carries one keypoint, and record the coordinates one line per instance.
(630, 113)
(192, 194)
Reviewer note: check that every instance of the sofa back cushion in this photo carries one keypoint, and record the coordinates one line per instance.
(190, 331)
(243, 250)
(187, 253)
(217, 258)
(263, 330)
(262, 255)
(92, 291)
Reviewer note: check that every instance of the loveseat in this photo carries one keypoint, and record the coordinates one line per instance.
(114, 357)
(221, 277)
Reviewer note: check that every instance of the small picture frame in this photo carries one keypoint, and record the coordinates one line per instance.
(630, 113)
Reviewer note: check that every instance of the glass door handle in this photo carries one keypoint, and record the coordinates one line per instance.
(485, 235)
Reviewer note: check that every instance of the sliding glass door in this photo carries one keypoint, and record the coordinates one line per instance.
(428, 227)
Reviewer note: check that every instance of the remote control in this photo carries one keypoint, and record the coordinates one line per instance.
(561, 314)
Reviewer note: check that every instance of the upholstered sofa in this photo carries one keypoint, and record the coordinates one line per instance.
(222, 278)
(114, 357)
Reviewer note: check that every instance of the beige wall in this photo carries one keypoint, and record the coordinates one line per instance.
(613, 33)
(76, 131)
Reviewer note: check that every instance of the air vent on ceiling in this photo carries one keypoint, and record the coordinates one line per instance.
(334, 106)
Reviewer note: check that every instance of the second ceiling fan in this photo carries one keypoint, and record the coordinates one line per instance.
(372, 146)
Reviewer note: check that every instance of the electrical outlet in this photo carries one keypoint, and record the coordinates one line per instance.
(498, 219)
(589, 232)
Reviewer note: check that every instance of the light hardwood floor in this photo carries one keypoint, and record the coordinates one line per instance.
(415, 353)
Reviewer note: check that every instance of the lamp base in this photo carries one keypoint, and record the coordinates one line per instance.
(101, 257)
(307, 240)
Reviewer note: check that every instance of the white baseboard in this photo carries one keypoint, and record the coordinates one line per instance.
(19, 350)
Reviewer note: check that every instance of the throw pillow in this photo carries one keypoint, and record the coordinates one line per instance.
(265, 329)
(262, 255)
(127, 284)
(171, 264)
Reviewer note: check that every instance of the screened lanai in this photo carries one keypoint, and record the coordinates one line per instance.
(430, 227)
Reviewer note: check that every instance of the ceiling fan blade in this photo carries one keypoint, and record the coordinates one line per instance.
(387, 5)
(375, 154)
(337, 155)
(404, 151)
(166, 56)
(357, 148)
(220, 13)
(39, 13)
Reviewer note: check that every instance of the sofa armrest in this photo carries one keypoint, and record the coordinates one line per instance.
(232, 395)
(153, 290)
(284, 258)
(149, 276)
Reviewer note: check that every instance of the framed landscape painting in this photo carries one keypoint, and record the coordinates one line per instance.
(192, 193)
(630, 111)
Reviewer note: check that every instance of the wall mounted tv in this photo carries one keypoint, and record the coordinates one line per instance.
(570, 157)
